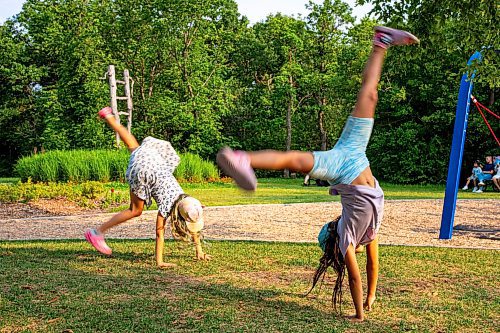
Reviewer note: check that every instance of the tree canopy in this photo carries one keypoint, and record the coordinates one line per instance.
(204, 77)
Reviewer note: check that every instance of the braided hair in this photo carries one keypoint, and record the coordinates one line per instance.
(332, 257)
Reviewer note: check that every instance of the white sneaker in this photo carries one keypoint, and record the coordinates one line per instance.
(481, 183)
(465, 188)
(474, 190)
(479, 191)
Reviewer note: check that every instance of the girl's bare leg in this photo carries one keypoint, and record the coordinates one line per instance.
(365, 108)
(367, 101)
(304, 161)
(496, 182)
(127, 138)
(368, 96)
(278, 160)
(135, 209)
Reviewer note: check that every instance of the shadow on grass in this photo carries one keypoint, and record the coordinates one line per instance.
(61, 286)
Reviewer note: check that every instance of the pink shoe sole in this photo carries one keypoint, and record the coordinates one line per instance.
(97, 242)
(105, 112)
(228, 162)
(399, 37)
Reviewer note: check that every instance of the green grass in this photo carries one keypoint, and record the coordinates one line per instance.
(270, 190)
(9, 180)
(278, 190)
(52, 286)
(101, 165)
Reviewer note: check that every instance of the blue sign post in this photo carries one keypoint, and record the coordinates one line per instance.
(457, 152)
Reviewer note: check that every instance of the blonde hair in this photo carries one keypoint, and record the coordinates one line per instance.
(178, 225)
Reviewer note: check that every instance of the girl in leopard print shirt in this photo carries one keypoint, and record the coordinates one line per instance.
(150, 175)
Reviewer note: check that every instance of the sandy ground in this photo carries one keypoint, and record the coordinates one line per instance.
(415, 222)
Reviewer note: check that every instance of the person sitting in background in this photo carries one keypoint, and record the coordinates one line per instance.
(307, 180)
(496, 178)
(487, 174)
(476, 170)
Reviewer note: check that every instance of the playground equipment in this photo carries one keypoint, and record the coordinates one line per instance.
(457, 147)
(114, 98)
(457, 151)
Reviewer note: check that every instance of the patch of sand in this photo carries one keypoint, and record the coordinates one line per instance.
(406, 222)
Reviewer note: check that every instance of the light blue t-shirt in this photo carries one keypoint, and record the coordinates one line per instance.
(476, 171)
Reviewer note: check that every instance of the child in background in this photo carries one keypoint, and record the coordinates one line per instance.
(150, 175)
(476, 170)
(346, 167)
(496, 178)
(486, 174)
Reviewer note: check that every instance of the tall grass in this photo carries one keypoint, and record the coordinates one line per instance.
(101, 165)
(195, 169)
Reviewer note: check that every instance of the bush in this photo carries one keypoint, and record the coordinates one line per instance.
(101, 165)
(195, 169)
(87, 194)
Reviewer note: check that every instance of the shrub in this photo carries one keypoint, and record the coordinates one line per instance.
(195, 169)
(86, 194)
(101, 165)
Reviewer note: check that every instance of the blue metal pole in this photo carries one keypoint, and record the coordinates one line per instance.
(457, 152)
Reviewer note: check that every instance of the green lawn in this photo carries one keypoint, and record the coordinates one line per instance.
(269, 190)
(276, 190)
(9, 180)
(53, 286)
(272, 190)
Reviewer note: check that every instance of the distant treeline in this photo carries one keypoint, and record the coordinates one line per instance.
(203, 78)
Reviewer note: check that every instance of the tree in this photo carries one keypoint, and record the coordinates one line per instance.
(328, 25)
(416, 123)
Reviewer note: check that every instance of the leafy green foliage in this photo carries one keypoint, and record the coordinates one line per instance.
(101, 165)
(204, 78)
(90, 194)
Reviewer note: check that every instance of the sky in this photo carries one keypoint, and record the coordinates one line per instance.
(254, 10)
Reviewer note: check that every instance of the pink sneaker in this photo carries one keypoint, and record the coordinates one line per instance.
(385, 37)
(105, 112)
(97, 240)
(236, 164)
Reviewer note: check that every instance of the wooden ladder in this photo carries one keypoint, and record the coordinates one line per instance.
(114, 99)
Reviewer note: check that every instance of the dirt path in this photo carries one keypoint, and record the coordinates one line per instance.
(477, 223)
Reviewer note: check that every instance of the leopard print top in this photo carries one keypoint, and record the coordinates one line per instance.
(150, 174)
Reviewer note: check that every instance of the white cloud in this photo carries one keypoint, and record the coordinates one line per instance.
(258, 10)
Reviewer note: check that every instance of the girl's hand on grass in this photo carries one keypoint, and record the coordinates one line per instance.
(203, 256)
(166, 265)
(369, 303)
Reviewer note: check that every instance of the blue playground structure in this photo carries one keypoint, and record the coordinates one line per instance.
(457, 151)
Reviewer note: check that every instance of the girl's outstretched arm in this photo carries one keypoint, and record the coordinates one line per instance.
(160, 242)
(355, 283)
(371, 272)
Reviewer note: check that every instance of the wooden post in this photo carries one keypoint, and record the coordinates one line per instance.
(128, 94)
(114, 104)
(114, 98)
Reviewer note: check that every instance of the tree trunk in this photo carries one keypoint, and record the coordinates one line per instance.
(286, 172)
(321, 117)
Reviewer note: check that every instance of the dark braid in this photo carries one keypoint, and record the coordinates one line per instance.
(332, 257)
